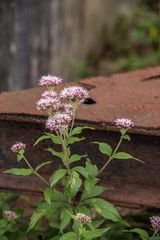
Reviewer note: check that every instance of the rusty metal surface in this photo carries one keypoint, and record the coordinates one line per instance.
(133, 95)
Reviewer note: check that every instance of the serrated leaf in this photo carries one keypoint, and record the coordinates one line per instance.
(55, 139)
(48, 194)
(69, 236)
(142, 233)
(106, 209)
(89, 184)
(37, 215)
(75, 183)
(40, 139)
(65, 217)
(124, 156)
(55, 153)
(19, 171)
(42, 165)
(59, 174)
(104, 148)
(72, 140)
(91, 168)
(81, 170)
(95, 191)
(94, 233)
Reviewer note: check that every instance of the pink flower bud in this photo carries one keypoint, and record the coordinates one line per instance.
(123, 123)
(82, 218)
(155, 222)
(50, 81)
(18, 146)
(10, 215)
(74, 93)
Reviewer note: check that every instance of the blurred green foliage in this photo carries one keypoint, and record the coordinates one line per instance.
(133, 43)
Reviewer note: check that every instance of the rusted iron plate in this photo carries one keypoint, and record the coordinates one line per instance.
(122, 95)
(135, 95)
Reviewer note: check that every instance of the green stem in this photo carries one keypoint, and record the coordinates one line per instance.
(112, 156)
(34, 172)
(66, 159)
(74, 116)
(155, 233)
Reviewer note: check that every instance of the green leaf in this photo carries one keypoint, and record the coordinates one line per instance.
(106, 209)
(75, 158)
(59, 174)
(3, 238)
(36, 217)
(65, 217)
(104, 148)
(19, 171)
(83, 209)
(48, 194)
(91, 169)
(95, 191)
(72, 140)
(42, 165)
(78, 130)
(127, 137)
(40, 139)
(75, 183)
(123, 131)
(55, 139)
(69, 236)
(19, 236)
(55, 153)
(142, 233)
(124, 155)
(94, 233)
(81, 170)
(89, 184)
(20, 155)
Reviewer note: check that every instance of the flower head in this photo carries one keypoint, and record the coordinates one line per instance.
(67, 108)
(123, 123)
(50, 94)
(74, 93)
(10, 215)
(59, 122)
(46, 103)
(82, 218)
(18, 146)
(155, 222)
(49, 81)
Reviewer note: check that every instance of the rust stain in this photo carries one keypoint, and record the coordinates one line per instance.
(134, 95)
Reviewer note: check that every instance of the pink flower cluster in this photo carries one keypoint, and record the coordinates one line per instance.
(50, 81)
(10, 215)
(18, 146)
(59, 122)
(155, 222)
(82, 218)
(59, 106)
(123, 123)
(74, 93)
(49, 102)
